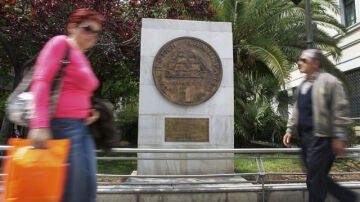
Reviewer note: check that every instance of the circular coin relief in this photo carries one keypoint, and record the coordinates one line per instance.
(187, 71)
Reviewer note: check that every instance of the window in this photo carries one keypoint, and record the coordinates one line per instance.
(353, 77)
(349, 12)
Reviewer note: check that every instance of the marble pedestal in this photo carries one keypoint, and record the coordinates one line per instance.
(154, 108)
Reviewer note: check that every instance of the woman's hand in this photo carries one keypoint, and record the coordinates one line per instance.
(39, 136)
(94, 115)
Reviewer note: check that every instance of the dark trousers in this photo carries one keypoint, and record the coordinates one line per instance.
(318, 157)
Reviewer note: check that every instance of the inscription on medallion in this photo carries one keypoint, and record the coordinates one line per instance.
(187, 71)
(186, 130)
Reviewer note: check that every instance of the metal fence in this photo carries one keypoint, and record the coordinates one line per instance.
(259, 157)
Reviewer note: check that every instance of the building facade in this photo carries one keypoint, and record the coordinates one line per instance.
(349, 63)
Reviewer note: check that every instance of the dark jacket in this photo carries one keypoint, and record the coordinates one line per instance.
(104, 130)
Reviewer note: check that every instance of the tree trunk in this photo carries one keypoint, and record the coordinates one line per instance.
(6, 131)
(6, 126)
(18, 69)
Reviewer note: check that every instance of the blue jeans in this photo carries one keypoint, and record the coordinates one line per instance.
(81, 177)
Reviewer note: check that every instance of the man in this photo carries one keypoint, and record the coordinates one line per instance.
(320, 119)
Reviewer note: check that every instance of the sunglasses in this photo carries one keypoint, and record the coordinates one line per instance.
(304, 60)
(89, 29)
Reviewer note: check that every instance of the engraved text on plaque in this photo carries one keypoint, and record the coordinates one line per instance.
(186, 130)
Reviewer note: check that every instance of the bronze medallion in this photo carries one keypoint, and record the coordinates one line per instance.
(187, 71)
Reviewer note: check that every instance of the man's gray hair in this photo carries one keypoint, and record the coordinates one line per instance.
(315, 54)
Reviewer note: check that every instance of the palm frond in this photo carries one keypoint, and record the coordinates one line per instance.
(275, 60)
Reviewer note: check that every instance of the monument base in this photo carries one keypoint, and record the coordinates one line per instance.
(186, 96)
(185, 163)
(198, 181)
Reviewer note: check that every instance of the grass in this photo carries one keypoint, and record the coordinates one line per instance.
(244, 163)
(120, 167)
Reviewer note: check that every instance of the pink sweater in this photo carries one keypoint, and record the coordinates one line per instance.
(78, 83)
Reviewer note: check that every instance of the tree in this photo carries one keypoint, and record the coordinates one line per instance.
(260, 108)
(273, 32)
(268, 38)
(28, 24)
(296, 2)
(25, 25)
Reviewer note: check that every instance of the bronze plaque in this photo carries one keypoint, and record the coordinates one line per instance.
(186, 130)
(187, 71)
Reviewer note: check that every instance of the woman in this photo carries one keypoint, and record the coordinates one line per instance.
(72, 113)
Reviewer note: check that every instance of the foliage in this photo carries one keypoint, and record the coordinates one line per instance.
(268, 38)
(260, 108)
(3, 98)
(116, 167)
(127, 120)
(352, 139)
(273, 32)
(244, 163)
(25, 25)
(28, 24)
(288, 163)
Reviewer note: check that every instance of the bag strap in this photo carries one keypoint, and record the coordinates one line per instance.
(64, 62)
(24, 85)
(56, 86)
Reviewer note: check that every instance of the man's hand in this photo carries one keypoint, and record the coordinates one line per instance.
(286, 139)
(338, 147)
(39, 136)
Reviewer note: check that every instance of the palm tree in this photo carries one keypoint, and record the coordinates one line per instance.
(268, 37)
(273, 32)
(260, 109)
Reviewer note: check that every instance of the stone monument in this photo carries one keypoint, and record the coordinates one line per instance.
(186, 96)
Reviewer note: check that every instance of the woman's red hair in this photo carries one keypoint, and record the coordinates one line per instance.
(82, 14)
